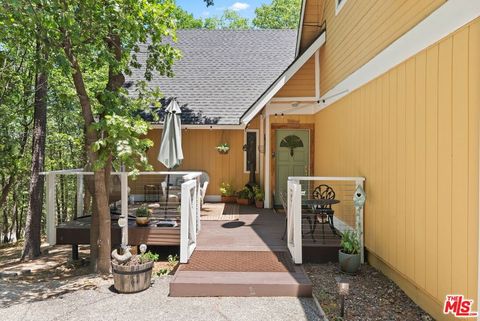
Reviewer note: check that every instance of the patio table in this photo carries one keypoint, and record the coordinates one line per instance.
(316, 206)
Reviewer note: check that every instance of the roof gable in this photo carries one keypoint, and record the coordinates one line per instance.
(223, 72)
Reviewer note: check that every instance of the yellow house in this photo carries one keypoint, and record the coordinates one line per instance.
(386, 90)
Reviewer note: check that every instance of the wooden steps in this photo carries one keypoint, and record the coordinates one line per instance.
(243, 284)
(248, 259)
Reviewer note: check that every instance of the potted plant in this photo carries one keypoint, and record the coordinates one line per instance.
(349, 253)
(259, 196)
(132, 273)
(227, 193)
(223, 148)
(143, 214)
(244, 196)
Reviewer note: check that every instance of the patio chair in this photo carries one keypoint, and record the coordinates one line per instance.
(323, 214)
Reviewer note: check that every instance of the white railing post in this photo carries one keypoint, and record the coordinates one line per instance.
(360, 225)
(195, 217)
(51, 215)
(198, 206)
(297, 219)
(294, 220)
(124, 206)
(79, 195)
(188, 219)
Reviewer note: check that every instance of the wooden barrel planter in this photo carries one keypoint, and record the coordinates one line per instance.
(131, 279)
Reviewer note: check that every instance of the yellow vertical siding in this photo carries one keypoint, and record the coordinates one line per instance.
(200, 154)
(361, 30)
(413, 133)
(302, 84)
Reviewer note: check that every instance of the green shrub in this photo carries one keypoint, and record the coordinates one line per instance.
(226, 189)
(350, 242)
(258, 192)
(148, 257)
(143, 211)
(245, 193)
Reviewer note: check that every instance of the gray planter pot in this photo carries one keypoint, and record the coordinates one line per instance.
(349, 263)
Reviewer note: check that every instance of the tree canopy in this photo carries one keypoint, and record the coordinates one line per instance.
(280, 14)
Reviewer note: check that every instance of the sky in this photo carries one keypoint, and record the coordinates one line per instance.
(246, 8)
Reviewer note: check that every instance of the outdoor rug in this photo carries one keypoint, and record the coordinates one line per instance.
(219, 212)
(239, 261)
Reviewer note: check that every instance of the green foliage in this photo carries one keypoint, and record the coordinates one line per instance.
(245, 193)
(228, 20)
(143, 211)
(172, 263)
(148, 257)
(226, 189)
(258, 193)
(280, 14)
(232, 20)
(172, 260)
(350, 242)
(223, 148)
(186, 20)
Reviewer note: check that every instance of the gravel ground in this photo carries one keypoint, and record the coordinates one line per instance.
(372, 295)
(154, 304)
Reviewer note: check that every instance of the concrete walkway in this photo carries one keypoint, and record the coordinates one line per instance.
(155, 304)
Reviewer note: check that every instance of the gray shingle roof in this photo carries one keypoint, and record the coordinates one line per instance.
(223, 72)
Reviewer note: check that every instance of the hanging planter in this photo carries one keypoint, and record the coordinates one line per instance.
(223, 148)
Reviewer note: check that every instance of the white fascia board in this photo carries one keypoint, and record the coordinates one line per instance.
(293, 99)
(282, 80)
(285, 109)
(446, 19)
(300, 28)
(222, 127)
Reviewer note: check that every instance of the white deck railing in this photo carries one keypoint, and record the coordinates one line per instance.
(299, 187)
(190, 218)
(294, 220)
(189, 206)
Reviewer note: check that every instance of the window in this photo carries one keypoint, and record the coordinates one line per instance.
(339, 5)
(250, 151)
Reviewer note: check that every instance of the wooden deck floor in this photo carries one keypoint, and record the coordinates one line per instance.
(257, 233)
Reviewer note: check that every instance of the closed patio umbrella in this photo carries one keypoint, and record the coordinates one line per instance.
(171, 154)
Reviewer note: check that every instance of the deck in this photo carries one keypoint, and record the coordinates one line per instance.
(240, 251)
(245, 257)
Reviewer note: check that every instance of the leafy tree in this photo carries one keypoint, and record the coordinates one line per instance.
(17, 89)
(186, 20)
(280, 14)
(230, 19)
(82, 49)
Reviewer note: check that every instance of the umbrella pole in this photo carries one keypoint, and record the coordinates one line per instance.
(166, 197)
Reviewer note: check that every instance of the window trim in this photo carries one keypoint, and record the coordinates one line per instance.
(339, 6)
(257, 153)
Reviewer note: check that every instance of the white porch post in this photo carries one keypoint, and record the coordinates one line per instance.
(261, 151)
(79, 195)
(268, 158)
(51, 217)
(124, 206)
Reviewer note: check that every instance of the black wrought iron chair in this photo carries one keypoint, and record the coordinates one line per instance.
(322, 214)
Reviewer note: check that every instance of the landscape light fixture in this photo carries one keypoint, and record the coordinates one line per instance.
(343, 290)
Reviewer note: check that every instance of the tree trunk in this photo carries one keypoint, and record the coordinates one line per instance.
(101, 210)
(31, 248)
